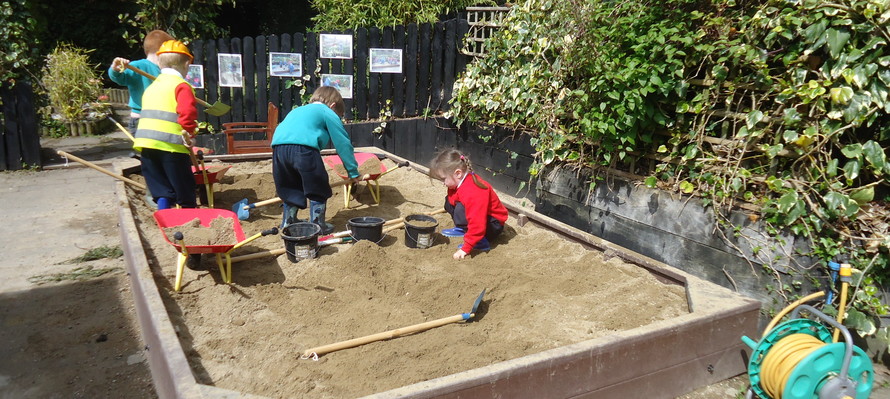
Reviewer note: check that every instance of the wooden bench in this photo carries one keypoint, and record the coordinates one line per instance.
(251, 137)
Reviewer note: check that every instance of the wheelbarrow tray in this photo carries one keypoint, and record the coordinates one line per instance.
(214, 173)
(167, 218)
(360, 157)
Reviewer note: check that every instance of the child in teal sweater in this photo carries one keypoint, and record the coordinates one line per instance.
(297, 167)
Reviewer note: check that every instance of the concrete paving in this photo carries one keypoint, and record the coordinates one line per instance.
(59, 213)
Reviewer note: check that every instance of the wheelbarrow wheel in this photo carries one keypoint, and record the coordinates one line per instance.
(194, 262)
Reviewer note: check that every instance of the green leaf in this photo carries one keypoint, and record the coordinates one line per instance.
(837, 39)
(841, 95)
(863, 196)
(787, 202)
(791, 117)
(753, 118)
(851, 169)
(651, 182)
(687, 187)
(875, 155)
(860, 322)
(852, 150)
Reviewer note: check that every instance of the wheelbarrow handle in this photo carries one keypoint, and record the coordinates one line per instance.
(271, 231)
(386, 335)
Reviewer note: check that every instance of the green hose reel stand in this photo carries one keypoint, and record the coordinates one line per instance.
(833, 371)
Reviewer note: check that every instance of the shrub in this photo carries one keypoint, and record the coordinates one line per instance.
(73, 85)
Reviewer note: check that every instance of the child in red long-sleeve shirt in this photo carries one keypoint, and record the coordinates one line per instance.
(474, 207)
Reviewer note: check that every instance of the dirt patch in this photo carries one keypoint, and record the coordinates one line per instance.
(542, 292)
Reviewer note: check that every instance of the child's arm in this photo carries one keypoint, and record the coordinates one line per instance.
(186, 108)
(118, 73)
(342, 143)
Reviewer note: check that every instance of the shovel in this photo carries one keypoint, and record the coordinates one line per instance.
(321, 350)
(216, 109)
(242, 208)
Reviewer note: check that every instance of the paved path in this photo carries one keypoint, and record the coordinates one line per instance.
(73, 339)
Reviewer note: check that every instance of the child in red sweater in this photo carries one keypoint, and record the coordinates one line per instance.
(474, 207)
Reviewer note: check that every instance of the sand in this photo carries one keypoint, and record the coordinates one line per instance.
(542, 292)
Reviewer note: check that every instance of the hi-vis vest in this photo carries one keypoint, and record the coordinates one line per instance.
(158, 127)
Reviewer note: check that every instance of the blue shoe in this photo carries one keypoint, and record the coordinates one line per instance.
(482, 245)
(454, 232)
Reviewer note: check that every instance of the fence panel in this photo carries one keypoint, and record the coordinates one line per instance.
(409, 68)
(19, 137)
(430, 64)
(360, 85)
(275, 46)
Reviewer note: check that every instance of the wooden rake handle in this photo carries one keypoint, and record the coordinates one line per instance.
(321, 350)
(101, 169)
(152, 77)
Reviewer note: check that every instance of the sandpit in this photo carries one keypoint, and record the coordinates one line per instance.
(543, 292)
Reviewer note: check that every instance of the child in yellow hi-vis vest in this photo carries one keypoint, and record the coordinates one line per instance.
(168, 113)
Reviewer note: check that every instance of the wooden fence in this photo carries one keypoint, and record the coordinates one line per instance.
(431, 61)
(20, 141)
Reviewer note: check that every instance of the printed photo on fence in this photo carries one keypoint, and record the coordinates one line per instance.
(385, 60)
(230, 74)
(286, 64)
(343, 83)
(195, 76)
(335, 46)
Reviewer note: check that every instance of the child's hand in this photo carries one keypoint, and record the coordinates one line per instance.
(460, 254)
(119, 64)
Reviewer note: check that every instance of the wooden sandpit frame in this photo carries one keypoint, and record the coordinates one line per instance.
(662, 360)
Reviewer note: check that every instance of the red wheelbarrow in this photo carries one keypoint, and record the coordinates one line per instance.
(214, 173)
(336, 164)
(173, 217)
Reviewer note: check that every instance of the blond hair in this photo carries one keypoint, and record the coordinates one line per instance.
(329, 95)
(447, 161)
(153, 41)
(174, 60)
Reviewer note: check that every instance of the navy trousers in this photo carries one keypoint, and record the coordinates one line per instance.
(299, 174)
(169, 174)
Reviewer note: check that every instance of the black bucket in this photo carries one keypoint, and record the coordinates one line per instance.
(420, 233)
(366, 228)
(300, 240)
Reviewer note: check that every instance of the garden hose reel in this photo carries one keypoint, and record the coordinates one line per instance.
(799, 360)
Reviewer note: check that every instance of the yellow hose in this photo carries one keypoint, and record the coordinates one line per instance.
(782, 359)
(789, 308)
(845, 274)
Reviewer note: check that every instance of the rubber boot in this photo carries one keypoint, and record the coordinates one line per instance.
(289, 215)
(316, 215)
(163, 203)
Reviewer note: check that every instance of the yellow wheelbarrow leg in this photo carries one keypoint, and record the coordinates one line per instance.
(180, 265)
(347, 192)
(374, 188)
(222, 268)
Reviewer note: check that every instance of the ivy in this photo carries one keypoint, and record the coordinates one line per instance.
(784, 104)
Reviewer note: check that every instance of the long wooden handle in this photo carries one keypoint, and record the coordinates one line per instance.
(382, 336)
(262, 203)
(103, 170)
(150, 76)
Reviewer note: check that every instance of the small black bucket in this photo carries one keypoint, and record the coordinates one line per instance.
(366, 228)
(300, 240)
(420, 233)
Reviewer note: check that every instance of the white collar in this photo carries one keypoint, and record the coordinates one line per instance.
(171, 71)
(462, 180)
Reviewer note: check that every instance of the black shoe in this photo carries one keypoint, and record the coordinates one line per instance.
(194, 262)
